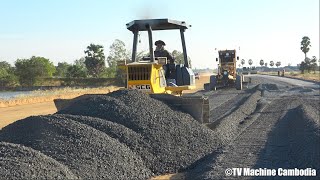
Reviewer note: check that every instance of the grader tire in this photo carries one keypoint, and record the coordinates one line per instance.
(213, 82)
(239, 82)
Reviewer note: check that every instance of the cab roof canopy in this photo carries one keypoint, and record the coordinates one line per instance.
(156, 24)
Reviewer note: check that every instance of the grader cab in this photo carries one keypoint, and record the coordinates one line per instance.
(227, 72)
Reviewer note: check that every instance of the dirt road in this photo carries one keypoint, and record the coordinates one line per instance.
(9, 115)
(12, 111)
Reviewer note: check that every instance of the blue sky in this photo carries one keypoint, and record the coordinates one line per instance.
(61, 30)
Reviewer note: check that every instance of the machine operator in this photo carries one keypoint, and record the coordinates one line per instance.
(170, 67)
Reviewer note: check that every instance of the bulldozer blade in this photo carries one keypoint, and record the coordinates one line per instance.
(196, 106)
(61, 103)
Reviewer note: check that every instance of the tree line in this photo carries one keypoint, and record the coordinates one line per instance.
(308, 64)
(261, 62)
(33, 71)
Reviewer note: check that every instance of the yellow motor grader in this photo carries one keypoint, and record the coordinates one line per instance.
(227, 72)
(148, 74)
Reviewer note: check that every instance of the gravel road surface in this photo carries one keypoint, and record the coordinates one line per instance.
(281, 132)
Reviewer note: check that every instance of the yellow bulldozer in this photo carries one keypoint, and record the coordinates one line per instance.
(227, 72)
(148, 74)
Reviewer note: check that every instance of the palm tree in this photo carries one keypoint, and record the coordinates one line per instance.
(305, 45)
(250, 62)
(95, 59)
(271, 63)
(261, 62)
(242, 62)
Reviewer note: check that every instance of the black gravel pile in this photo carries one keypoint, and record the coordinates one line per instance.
(19, 162)
(133, 140)
(172, 140)
(87, 152)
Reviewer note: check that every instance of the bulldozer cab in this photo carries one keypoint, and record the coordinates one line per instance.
(149, 74)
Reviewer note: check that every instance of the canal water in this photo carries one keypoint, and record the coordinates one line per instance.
(6, 95)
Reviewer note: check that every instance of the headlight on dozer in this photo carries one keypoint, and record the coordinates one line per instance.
(225, 73)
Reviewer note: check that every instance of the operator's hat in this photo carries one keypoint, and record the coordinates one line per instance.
(159, 42)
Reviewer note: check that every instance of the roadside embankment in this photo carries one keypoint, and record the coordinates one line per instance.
(40, 103)
(46, 96)
(311, 77)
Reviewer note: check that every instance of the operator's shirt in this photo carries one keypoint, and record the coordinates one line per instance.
(170, 69)
(163, 53)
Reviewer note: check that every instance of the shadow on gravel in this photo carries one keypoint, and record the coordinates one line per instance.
(202, 165)
(293, 143)
(301, 89)
(272, 87)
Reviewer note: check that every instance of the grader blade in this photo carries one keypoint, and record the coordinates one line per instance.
(196, 106)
